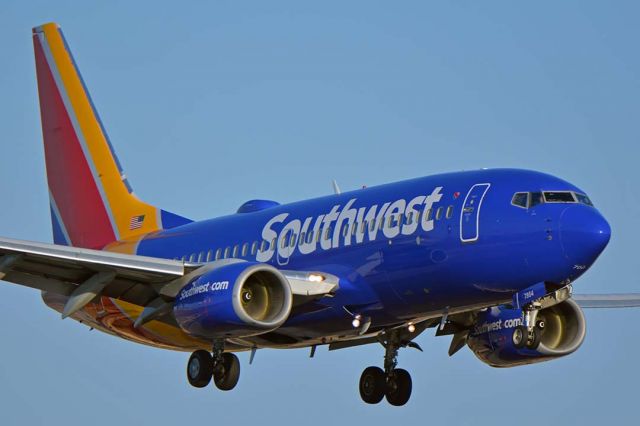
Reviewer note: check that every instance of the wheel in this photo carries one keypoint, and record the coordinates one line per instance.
(199, 369)
(399, 387)
(533, 340)
(372, 385)
(227, 373)
(519, 336)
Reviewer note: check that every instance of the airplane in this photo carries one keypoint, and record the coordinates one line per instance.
(487, 257)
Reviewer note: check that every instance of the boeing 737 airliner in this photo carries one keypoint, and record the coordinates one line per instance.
(486, 257)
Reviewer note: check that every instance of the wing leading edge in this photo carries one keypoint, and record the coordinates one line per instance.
(83, 274)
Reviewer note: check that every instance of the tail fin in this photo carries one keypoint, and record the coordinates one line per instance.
(92, 203)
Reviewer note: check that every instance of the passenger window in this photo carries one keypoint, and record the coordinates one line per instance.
(284, 241)
(449, 212)
(218, 254)
(245, 249)
(254, 248)
(328, 233)
(235, 251)
(354, 228)
(428, 214)
(263, 246)
(345, 230)
(184, 257)
(409, 218)
(227, 251)
(209, 255)
(192, 258)
(439, 213)
(521, 199)
(273, 243)
(310, 237)
(292, 241)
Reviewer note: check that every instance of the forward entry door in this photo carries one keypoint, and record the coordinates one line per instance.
(470, 217)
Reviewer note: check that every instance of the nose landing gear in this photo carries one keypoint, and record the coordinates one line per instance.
(529, 334)
(393, 383)
(222, 366)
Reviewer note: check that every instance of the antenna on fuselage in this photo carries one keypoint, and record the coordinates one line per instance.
(336, 188)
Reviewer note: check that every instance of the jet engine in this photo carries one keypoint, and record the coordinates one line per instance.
(235, 300)
(562, 329)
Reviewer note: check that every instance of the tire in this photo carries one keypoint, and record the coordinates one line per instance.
(519, 337)
(399, 387)
(372, 385)
(199, 369)
(227, 373)
(534, 338)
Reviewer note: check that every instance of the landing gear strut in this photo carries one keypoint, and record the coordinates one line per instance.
(393, 383)
(529, 334)
(223, 367)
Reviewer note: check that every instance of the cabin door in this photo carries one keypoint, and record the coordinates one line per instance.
(470, 216)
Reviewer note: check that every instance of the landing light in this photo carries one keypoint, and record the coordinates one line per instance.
(316, 278)
(356, 321)
(411, 328)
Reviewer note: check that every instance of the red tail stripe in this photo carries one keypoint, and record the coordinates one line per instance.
(70, 179)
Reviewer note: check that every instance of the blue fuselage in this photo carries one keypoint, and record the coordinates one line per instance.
(408, 250)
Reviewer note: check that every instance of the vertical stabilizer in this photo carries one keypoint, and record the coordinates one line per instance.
(92, 203)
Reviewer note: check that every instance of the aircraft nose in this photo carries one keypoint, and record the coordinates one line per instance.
(584, 233)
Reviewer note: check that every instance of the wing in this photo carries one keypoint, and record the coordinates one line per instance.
(82, 274)
(628, 300)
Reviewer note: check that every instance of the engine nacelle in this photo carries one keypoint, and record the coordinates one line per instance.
(234, 300)
(491, 340)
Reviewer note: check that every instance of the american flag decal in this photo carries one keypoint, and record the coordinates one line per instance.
(136, 222)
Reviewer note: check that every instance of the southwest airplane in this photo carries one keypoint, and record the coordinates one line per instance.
(487, 257)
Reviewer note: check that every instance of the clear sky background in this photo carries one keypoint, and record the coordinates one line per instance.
(210, 104)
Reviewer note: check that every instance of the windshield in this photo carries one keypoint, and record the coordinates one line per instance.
(527, 200)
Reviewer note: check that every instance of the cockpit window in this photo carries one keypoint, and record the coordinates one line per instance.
(559, 197)
(527, 200)
(536, 198)
(521, 199)
(583, 199)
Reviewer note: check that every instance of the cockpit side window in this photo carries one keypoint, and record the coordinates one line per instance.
(583, 199)
(559, 197)
(521, 199)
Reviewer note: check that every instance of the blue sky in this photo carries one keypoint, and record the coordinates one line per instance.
(213, 103)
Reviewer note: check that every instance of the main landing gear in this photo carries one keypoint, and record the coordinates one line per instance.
(223, 367)
(393, 383)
